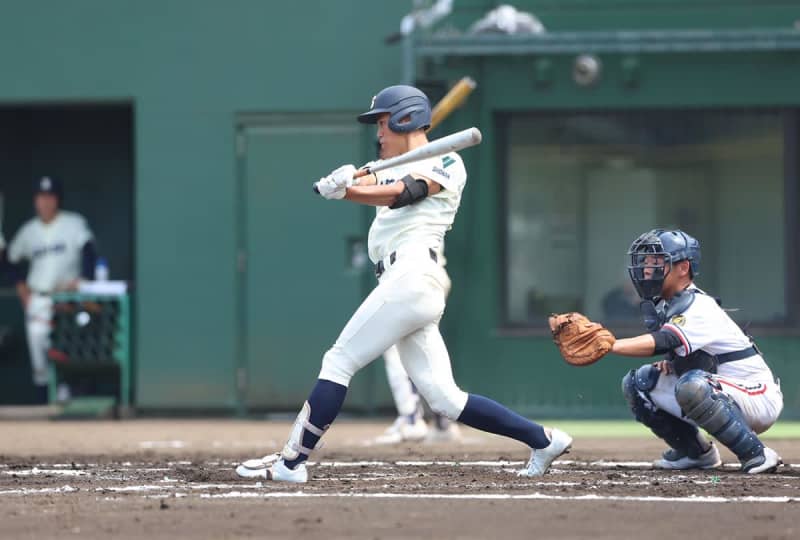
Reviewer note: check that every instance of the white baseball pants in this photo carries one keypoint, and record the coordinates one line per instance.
(403, 310)
(38, 316)
(761, 402)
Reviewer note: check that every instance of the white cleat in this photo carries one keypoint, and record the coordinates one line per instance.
(770, 462)
(272, 468)
(403, 429)
(450, 433)
(675, 460)
(542, 458)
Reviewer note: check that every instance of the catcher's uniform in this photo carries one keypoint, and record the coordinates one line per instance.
(742, 372)
(405, 307)
(55, 253)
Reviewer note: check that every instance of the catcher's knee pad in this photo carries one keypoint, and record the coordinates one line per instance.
(338, 366)
(636, 387)
(702, 400)
(294, 446)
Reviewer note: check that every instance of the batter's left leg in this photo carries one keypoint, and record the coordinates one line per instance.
(427, 362)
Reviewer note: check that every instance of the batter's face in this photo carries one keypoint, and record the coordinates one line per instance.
(391, 144)
(46, 205)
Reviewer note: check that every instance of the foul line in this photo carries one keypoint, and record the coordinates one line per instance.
(492, 496)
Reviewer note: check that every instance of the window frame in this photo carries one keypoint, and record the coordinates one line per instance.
(790, 117)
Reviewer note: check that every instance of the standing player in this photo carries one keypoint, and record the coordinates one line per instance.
(714, 376)
(416, 205)
(60, 248)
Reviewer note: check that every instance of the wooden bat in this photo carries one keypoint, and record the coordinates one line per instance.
(450, 143)
(456, 97)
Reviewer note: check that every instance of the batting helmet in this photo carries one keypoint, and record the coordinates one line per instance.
(657, 250)
(400, 102)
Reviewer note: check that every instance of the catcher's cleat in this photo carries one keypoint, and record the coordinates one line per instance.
(676, 460)
(541, 458)
(272, 468)
(767, 462)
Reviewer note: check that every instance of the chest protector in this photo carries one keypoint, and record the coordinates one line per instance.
(656, 315)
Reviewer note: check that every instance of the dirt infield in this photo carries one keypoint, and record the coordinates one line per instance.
(174, 479)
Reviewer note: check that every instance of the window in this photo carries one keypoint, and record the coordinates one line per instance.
(580, 187)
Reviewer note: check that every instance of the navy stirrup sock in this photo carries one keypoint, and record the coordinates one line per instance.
(326, 401)
(488, 415)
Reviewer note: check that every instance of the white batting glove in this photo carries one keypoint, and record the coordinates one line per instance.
(328, 188)
(343, 176)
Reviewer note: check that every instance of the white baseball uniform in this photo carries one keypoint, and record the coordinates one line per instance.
(749, 381)
(406, 399)
(55, 253)
(405, 307)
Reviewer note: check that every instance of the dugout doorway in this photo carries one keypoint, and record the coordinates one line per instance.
(302, 262)
(89, 146)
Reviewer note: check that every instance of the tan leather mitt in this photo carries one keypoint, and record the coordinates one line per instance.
(581, 341)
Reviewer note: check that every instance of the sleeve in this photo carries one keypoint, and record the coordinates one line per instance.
(19, 248)
(694, 328)
(83, 234)
(2, 242)
(447, 171)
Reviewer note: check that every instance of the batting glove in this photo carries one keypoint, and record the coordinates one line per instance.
(343, 176)
(328, 188)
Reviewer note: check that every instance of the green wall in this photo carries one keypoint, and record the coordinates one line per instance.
(188, 68)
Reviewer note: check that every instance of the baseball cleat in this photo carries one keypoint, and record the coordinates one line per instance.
(765, 463)
(404, 429)
(542, 458)
(449, 433)
(272, 468)
(676, 460)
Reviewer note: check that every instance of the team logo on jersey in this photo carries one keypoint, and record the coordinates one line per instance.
(678, 320)
(447, 161)
(441, 172)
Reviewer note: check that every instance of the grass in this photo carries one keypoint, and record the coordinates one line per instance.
(620, 429)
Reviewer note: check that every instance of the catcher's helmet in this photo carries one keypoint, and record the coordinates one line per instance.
(400, 102)
(657, 250)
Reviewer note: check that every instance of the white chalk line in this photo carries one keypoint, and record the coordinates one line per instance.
(493, 497)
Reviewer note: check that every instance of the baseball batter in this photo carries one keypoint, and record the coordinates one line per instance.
(416, 205)
(714, 377)
(59, 248)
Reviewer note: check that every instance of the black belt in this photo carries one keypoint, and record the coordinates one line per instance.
(380, 268)
(737, 355)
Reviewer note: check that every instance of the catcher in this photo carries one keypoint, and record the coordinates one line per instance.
(713, 376)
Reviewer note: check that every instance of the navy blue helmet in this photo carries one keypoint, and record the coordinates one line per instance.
(654, 252)
(400, 102)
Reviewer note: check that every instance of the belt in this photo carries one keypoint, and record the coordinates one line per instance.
(380, 268)
(737, 355)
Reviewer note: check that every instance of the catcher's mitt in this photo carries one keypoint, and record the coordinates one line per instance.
(581, 341)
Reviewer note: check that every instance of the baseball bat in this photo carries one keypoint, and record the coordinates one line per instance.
(456, 97)
(450, 143)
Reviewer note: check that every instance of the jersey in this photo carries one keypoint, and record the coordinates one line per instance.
(54, 249)
(705, 325)
(423, 223)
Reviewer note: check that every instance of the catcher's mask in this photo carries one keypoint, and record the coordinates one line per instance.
(652, 256)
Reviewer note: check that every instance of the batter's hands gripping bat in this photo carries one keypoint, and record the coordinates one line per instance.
(450, 143)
